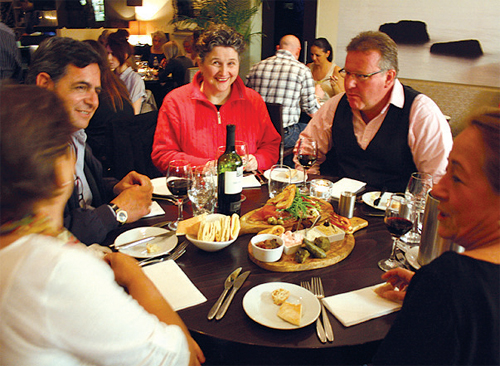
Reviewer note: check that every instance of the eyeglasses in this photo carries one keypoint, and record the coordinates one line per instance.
(359, 77)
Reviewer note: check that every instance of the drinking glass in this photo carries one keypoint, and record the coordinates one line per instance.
(202, 191)
(398, 221)
(178, 181)
(418, 187)
(279, 178)
(307, 153)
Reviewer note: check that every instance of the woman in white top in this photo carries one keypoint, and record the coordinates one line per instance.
(325, 73)
(119, 50)
(61, 303)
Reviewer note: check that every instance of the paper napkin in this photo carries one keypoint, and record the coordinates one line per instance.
(358, 306)
(250, 181)
(156, 210)
(346, 184)
(174, 285)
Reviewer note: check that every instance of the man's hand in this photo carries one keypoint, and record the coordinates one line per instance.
(136, 200)
(400, 278)
(132, 179)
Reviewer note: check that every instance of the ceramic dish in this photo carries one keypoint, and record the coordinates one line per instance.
(210, 246)
(297, 176)
(160, 187)
(267, 255)
(165, 245)
(411, 257)
(370, 197)
(259, 306)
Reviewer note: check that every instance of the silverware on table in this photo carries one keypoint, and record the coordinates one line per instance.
(377, 200)
(320, 331)
(147, 239)
(175, 254)
(317, 286)
(228, 283)
(237, 284)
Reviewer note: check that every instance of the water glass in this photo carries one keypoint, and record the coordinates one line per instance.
(280, 176)
(202, 192)
(418, 186)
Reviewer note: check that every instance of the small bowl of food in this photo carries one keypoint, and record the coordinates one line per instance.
(215, 232)
(267, 247)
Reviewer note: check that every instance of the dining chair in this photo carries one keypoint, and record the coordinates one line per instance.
(275, 111)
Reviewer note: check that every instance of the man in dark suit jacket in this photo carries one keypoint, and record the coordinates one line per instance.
(72, 69)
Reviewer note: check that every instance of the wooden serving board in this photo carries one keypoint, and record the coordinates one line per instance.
(339, 250)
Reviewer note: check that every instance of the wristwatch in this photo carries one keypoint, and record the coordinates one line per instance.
(121, 215)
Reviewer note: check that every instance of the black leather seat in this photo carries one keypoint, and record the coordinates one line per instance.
(275, 112)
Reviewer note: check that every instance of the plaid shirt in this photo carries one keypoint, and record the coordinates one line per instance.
(284, 80)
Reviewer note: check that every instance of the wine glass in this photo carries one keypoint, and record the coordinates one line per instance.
(398, 221)
(178, 181)
(418, 187)
(202, 191)
(307, 153)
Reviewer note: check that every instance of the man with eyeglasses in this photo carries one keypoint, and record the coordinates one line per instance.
(379, 131)
(72, 70)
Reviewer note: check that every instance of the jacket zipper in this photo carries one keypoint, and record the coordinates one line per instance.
(218, 118)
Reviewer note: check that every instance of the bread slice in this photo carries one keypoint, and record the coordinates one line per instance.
(191, 225)
(290, 313)
(280, 295)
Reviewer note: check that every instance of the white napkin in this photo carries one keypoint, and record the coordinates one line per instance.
(346, 184)
(358, 306)
(250, 181)
(156, 210)
(174, 285)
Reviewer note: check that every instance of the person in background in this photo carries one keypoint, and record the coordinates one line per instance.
(115, 110)
(188, 48)
(325, 73)
(451, 306)
(192, 119)
(378, 131)
(72, 69)
(103, 38)
(159, 39)
(119, 50)
(10, 57)
(283, 79)
(175, 64)
(61, 303)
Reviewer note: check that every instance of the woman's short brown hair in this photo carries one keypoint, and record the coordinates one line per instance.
(488, 122)
(219, 35)
(35, 130)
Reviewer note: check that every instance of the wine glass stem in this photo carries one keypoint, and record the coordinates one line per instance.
(393, 251)
(179, 210)
(305, 171)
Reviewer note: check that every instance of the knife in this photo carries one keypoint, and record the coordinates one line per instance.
(142, 241)
(237, 284)
(377, 200)
(228, 283)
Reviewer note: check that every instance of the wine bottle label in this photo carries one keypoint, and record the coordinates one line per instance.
(233, 181)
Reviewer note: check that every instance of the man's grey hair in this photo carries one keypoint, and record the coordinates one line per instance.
(377, 41)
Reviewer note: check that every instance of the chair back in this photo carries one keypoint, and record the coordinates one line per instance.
(275, 111)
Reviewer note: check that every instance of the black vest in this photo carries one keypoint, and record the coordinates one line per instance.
(386, 162)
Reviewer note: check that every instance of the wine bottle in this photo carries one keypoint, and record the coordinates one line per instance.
(229, 176)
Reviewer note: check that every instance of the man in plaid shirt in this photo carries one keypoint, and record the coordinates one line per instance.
(284, 80)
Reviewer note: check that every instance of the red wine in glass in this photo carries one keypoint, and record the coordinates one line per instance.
(178, 181)
(307, 153)
(307, 161)
(398, 226)
(178, 187)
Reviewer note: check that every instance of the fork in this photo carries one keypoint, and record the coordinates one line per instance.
(180, 250)
(317, 287)
(320, 331)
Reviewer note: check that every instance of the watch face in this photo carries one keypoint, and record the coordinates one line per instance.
(121, 216)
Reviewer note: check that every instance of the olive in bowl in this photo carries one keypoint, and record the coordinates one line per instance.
(267, 247)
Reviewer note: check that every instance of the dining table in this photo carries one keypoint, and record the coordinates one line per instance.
(236, 339)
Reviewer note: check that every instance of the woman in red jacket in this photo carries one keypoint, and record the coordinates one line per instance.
(192, 120)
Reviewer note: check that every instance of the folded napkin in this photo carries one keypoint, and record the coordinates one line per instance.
(346, 184)
(250, 181)
(174, 285)
(358, 306)
(156, 210)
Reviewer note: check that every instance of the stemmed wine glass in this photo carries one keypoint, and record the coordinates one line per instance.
(398, 221)
(178, 181)
(418, 187)
(307, 153)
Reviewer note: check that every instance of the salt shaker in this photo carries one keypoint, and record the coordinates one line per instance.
(346, 204)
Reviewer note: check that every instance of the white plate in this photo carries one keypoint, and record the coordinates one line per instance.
(259, 305)
(160, 187)
(165, 245)
(411, 256)
(298, 176)
(370, 197)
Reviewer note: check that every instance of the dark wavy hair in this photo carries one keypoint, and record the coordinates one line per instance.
(323, 44)
(35, 131)
(55, 54)
(377, 41)
(219, 35)
(120, 47)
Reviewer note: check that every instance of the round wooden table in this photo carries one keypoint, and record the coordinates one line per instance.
(237, 339)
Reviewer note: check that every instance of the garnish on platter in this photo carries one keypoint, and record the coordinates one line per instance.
(289, 208)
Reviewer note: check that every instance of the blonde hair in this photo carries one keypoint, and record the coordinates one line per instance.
(160, 35)
(171, 50)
